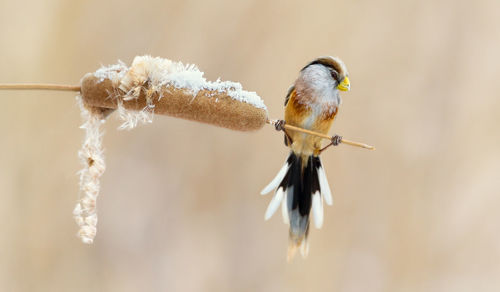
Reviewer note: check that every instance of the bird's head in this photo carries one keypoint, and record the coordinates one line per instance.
(337, 69)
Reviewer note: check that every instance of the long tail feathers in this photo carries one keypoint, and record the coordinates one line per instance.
(301, 185)
(278, 179)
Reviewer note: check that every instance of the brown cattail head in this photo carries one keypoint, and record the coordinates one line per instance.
(169, 88)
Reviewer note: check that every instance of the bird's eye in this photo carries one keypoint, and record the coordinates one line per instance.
(335, 75)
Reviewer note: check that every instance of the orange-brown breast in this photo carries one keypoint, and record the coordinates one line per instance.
(296, 114)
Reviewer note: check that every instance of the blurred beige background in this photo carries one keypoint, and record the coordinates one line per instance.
(180, 208)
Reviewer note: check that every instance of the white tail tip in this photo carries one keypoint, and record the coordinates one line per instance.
(276, 181)
(274, 204)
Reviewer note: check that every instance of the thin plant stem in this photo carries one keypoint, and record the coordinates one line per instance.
(39, 86)
(345, 141)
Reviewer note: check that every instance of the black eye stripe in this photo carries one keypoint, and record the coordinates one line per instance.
(319, 62)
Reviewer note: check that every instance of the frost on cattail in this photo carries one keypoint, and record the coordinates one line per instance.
(132, 118)
(92, 159)
(155, 85)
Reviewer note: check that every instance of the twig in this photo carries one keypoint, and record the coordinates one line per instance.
(39, 86)
(345, 141)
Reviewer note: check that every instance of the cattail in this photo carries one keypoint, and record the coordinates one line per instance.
(169, 88)
(152, 85)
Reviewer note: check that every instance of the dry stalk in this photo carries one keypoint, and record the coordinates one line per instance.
(40, 86)
(343, 140)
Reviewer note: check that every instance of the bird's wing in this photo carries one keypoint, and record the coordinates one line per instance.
(289, 93)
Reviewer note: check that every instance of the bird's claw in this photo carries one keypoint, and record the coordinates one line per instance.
(336, 140)
(279, 125)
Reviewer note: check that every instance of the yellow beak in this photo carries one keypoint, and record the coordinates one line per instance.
(344, 85)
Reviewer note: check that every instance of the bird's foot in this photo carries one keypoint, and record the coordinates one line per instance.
(336, 140)
(279, 125)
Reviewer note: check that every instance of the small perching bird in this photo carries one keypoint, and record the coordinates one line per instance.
(301, 184)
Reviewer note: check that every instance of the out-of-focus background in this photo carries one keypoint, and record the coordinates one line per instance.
(180, 208)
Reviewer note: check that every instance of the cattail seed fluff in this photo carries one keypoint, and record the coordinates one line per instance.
(92, 159)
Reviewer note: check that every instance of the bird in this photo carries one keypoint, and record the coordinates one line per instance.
(311, 103)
